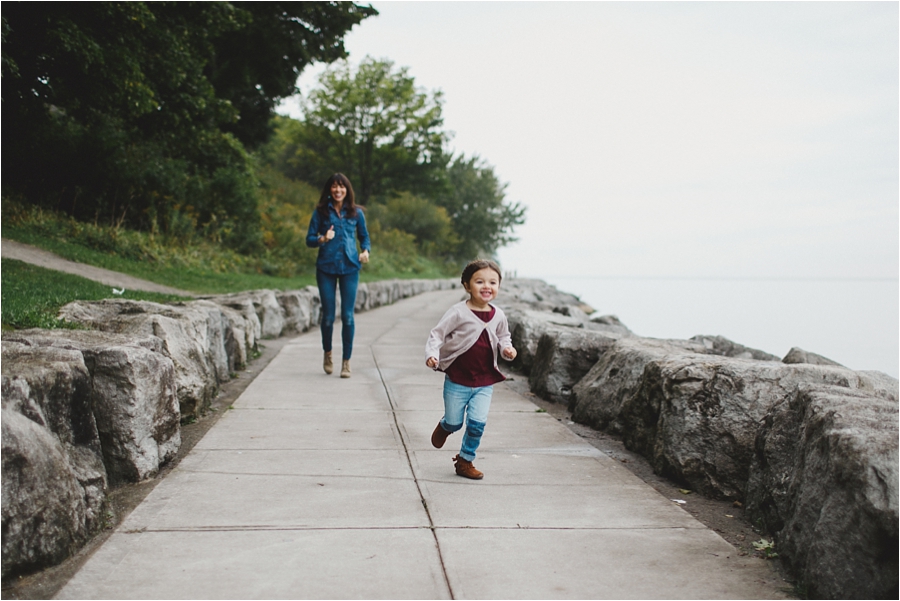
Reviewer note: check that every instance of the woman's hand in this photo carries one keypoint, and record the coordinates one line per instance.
(327, 236)
(510, 353)
(431, 362)
(364, 256)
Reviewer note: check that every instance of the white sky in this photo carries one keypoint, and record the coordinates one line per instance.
(709, 139)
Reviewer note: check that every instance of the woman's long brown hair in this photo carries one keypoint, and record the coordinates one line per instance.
(325, 199)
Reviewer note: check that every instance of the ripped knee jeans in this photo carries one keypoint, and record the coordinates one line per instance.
(469, 406)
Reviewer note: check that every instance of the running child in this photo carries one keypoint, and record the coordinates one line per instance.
(464, 345)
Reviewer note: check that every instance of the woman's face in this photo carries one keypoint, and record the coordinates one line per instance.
(338, 191)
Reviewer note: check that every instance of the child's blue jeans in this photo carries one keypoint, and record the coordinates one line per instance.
(469, 404)
(328, 284)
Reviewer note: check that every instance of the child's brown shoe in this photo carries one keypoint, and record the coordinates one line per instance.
(466, 469)
(439, 436)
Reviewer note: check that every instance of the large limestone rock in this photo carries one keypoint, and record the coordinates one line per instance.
(798, 355)
(54, 482)
(246, 313)
(598, 397)
(192, 338)
(609, 324)
(43, 503)
(136, 408)
(526, 326)
(268, 310)
(695, 417)
(719, 345)
(824, 481)
(301, 309)
(563, 356)
(132, 395)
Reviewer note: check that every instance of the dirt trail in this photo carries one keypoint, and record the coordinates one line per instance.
(10, 249)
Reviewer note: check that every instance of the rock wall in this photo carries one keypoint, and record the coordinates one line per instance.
(83, 410)
(809, 446)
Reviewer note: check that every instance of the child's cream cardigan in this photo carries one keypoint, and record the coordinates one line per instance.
(459, 329)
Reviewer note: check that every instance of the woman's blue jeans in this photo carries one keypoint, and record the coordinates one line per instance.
(328, 284)
(472, 404)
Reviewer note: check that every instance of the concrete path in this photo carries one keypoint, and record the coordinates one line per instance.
(317, 487)
(10, 249)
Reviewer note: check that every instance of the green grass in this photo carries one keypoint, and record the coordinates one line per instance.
(32, 296)
(197, 266)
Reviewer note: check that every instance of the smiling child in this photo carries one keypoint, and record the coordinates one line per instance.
(464, 345)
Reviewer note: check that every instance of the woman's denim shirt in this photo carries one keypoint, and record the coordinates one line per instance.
(338, 256)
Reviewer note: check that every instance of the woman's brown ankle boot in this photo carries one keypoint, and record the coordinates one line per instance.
(327, 363)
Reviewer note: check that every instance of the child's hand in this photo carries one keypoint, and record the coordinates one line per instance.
(431, 362)
(510, 353)
(364, 256)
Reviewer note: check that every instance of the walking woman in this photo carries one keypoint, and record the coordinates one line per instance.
(335, 226)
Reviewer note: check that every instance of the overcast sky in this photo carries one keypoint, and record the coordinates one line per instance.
(671, 139)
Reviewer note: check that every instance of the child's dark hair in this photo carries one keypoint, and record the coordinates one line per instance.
(325, 199)
(478, 265)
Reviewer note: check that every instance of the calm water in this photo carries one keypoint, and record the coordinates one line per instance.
(853, 322)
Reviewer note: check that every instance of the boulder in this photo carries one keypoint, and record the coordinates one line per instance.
(247, 312)
(301, 309)
(269, 311)
(136, 408)
(562, 357)
(696, 417)
(132, 395)
(798, 355)
(719, 345)
(598, 397)
(824, 482)
(43, 503)
(608, 323)
(54, 481)
(192, 339)
(526, 326)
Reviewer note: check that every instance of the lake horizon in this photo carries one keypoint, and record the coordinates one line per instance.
(853, 321)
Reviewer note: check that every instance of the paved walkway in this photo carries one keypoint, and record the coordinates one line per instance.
(317, 487)
(10, 249)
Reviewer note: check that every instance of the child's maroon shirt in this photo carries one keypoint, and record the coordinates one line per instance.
(475, 367)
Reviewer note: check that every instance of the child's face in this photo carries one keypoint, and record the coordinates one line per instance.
(484, 285)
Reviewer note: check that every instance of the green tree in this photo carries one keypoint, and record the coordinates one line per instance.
(372, 124)
(429, 224)
(475, 202)
(112, 110)
(257, 65)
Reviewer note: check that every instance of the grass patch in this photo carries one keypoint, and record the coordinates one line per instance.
(32, 296)
(196, 265)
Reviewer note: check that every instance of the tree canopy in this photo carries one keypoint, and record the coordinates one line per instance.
(138, 112)
(372, 124)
